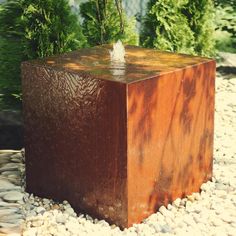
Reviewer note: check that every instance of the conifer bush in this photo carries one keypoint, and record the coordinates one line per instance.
(31, 29)
(201, 18)
(180, 26)
(104, 21)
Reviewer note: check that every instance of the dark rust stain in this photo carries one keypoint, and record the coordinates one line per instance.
(118, 147)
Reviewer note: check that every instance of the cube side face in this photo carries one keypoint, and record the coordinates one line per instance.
(76, 141)
(170, 137)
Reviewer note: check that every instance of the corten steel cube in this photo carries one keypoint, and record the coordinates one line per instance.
(118, 140)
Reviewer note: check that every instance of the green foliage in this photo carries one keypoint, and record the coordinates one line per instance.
(181, 26)
(165, 27)
(10, 58)
(11, 53)
(30, 29)
(226, 25)
(50, 28)
(201, 17)
(104, 21)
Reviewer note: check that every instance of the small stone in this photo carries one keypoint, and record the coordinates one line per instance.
(198, 219)
(221, 193)
(8, 151)
(160, 217)
(10, 167)
(191, 198)
(12, 231)
(56, 207)
(89, 218)
(36, 204)
(37, 222)
(54, 212)
(157, 228)
(165, 212)
(69, 211)
(205, 187)
(169, 207)
(17, 155)
(7, 211)
(40, 210)
(166, 229)
(6, 185)
(16, 160)
(189, 220)
(216, 221)
(103, 223)
(197, 209)
(8, 225)
(13, 196)
(183, 202)
(176, 202)
(5, 156)
(46, 201)
(113, 226)
(12, 218)
(4, 160)
(227, 218)
(162, 209)
(31, 214)
(188, 204)
(30, 232)
(60, 219)
(14, 180)
(8, 205)
(221, 186)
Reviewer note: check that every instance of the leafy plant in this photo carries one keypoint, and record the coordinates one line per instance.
(30, 29)
(181, 26)
(104, 21)
(226, 25)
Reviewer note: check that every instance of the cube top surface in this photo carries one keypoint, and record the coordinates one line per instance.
(140, 63)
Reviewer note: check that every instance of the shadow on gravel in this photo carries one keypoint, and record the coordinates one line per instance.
(227, 71)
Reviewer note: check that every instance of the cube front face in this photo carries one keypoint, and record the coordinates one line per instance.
(170, 138)
(75, 141)
(118, 149)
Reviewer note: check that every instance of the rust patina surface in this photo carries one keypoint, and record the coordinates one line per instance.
(118, 140)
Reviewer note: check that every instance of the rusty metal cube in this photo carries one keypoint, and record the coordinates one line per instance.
(118, 140)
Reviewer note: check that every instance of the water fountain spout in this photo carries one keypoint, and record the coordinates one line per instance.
(118, 52)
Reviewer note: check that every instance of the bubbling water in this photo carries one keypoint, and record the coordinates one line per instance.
(118, 52)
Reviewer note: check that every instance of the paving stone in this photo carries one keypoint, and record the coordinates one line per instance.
(13, 196)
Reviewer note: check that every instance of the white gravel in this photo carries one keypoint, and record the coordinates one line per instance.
(213, 212)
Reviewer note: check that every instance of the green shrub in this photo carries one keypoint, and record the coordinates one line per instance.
(50, 28)
(201, 18)
(226, 26)
(180, 26)
(10, 59)
(104, 21)
(30, 29)
(165, 27)
(11, 53)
